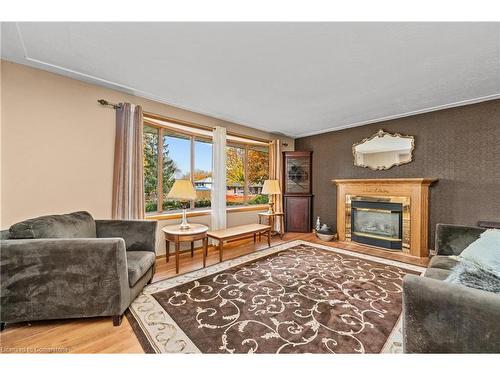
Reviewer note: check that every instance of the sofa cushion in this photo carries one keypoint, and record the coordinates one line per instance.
(437, 273)
(444, 262)
(138, 263)
(74, 225)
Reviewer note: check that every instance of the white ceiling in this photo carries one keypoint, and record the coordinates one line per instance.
(293, 78)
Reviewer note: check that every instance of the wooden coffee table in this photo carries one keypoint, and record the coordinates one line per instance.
(240, 231)
(176, 235)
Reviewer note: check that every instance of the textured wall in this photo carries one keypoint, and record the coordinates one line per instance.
(460, 146)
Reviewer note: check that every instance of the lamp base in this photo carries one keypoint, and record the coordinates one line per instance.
(270, 211)
(184, 224)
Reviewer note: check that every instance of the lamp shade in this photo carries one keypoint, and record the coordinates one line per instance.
(271, 187)
(182, 190)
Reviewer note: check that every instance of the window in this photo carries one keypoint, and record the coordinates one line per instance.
(186, 153)
(247, 169)
(202, 175)
(258, 172)
(235, 176)
(176, 165)
(183, 157)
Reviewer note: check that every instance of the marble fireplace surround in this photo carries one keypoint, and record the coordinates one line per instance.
(413, 191)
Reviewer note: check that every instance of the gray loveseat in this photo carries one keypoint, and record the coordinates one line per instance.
(72, 266)
(439, 317)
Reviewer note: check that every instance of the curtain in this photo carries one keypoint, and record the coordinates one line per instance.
(218, 216)
(128, 184)
(275, 173)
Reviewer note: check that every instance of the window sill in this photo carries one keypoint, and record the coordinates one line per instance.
(178, 215)
(253, 207)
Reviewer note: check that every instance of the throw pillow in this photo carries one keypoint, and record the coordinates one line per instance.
(485, 251)
(472, 275)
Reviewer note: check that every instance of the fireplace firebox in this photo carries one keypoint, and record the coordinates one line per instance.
(411, 193)
(377, 223)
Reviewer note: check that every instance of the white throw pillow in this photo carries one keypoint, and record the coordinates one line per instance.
(485, 251)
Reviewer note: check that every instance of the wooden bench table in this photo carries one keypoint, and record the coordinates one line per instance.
(240, 231)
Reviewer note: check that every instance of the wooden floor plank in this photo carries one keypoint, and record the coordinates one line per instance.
(98, 335)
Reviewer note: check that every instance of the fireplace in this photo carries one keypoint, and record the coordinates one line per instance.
(403, 227)
(377, 223)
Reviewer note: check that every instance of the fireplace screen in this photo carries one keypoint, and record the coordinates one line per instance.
(377, 223)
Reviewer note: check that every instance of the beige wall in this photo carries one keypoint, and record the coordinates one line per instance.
(57, 144)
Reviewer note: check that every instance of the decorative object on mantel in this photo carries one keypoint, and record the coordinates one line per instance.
(383, 150)
(378, 223)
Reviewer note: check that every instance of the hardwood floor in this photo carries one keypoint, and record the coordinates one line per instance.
(98, 335)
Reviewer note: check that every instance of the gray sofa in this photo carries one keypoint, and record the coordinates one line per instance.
(439, 317)
(72, 266)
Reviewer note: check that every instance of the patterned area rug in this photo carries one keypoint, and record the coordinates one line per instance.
(297, 297)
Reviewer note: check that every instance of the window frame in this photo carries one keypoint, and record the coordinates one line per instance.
(193, 136)
(246, 186)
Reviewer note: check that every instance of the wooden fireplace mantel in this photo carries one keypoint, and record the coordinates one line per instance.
(414, 189)
(423, 181)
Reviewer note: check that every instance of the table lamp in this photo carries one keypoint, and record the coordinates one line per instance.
(271, 187)
(182, 190)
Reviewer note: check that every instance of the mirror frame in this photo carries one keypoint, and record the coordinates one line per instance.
(382, 133)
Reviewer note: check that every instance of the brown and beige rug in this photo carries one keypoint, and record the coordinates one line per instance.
(297, 297)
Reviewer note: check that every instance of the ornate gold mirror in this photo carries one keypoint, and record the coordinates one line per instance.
(383, 150)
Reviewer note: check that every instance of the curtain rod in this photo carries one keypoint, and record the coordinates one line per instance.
(108, 104)
(104, 102)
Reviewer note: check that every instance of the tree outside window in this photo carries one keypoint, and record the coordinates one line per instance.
(258, 172)
(247, 169)
(235, 176)
(150, 147)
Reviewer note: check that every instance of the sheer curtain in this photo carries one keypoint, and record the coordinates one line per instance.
(218, 216)
(275, 173)
(128, 185)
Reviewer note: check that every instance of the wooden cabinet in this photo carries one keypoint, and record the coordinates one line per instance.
(297, 213)
(297, 190)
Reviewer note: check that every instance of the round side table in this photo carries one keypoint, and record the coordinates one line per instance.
(174, 234)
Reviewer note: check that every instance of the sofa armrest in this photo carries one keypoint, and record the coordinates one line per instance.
(139, 235)
(62, 278)
(453, 239)
(439, 317)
